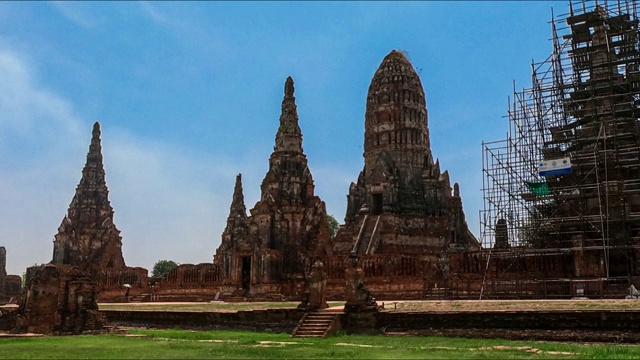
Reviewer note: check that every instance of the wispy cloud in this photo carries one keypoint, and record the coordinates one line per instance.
(198, 36)
(40, 142)
(75, 13)
(154, 14)
(169, 203)
(28, 110)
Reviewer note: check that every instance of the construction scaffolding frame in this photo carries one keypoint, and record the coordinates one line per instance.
(566, 180)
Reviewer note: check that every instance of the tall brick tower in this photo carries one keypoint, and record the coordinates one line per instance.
(87, 236)
(271, 251)
(402, 203)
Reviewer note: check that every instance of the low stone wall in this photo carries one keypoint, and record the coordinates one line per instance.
(275, 320)
(285, 320)
(7, 320)
(589, 320)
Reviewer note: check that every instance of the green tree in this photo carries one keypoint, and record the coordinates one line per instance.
(333, 225)
(163, 267)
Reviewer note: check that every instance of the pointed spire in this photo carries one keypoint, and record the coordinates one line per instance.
(95, 149)
(237, 204)
(237, 219)
(288, 88)
(88, 225)
(92, 190)
(289, 135)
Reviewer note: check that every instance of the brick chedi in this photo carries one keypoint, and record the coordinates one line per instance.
(9, 284)
(87, 237)
(402, 203)
(272, 250)
(3, 268)
(235, 236)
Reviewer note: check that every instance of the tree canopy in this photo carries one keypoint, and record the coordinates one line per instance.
(333, 225)
(163, 267)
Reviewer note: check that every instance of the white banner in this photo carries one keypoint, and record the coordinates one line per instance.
(554, 167)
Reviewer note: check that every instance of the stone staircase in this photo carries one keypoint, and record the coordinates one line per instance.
(317, 324)
(372, 237)
(367, 235)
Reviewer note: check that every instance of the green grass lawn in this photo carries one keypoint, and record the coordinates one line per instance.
(182, 344)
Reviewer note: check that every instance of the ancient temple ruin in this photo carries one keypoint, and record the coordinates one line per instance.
(270, 252)
(402, 205)
(562, 195)
(10, 285)
(59, 299)
(87, 236)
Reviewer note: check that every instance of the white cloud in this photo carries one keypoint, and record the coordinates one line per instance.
(26, 108)
(197, 37)
(152, 12)
(40, 141)
(75, 13)
(169, 204)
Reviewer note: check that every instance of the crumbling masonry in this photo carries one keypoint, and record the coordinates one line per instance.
(270, 253)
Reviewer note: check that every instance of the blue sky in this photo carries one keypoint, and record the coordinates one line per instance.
(189, 93)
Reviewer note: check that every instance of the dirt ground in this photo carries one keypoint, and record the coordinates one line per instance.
(512, 305)
(420, 306)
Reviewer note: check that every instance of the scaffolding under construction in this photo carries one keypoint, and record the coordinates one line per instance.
(562, 191)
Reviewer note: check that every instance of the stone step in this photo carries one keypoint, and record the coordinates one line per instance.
(315, 325)
(318, 322)
(312, 332)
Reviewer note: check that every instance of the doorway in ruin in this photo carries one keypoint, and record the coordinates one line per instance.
(377, 204)
(246, 272)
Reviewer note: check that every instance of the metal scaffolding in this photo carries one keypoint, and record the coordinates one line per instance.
(567, 177)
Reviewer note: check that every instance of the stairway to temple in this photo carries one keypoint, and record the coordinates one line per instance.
(317, 324)
(368, 234)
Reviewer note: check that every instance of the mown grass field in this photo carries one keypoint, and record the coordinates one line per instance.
(181, 344)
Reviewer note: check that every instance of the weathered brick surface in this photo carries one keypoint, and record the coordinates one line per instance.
(87, 236)
(596, 320)
(402, 203)
(277, 320)
(59, 299)
(605, 325)
(10, 285)
(271, 251)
